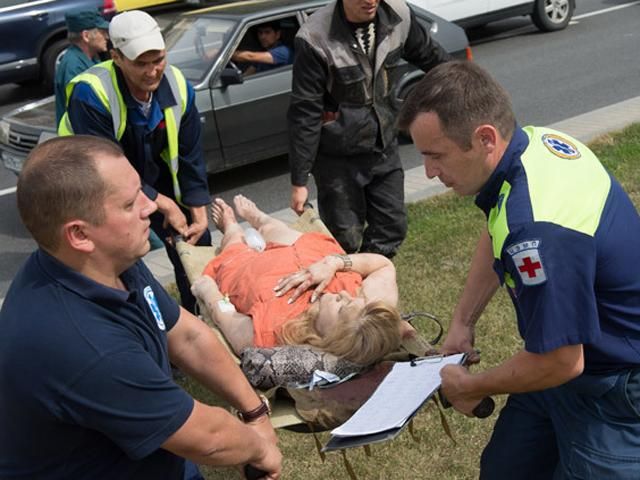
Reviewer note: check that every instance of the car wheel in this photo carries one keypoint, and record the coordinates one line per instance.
(50, 58)
(550, 15)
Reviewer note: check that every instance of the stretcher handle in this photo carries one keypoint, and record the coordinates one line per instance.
(483, 410)
(253, 473)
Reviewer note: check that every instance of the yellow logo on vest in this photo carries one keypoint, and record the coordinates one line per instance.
(560, 147)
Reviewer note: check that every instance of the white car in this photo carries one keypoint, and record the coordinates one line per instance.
(547, 15)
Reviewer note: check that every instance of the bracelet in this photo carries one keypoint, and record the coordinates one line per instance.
(346, 261)
(263, 409)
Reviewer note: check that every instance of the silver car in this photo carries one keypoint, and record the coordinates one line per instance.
(243, 117)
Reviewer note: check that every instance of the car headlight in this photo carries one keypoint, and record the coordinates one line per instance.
(4, 132)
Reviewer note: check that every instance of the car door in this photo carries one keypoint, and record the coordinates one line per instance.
(453, 10)
(496, 5)
(20, 23)
(251, 116)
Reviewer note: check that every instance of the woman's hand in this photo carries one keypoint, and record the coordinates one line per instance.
(319, 273)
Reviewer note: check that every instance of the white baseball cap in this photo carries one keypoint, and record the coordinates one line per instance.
(135, 32)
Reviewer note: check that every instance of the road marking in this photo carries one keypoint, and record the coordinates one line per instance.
(605, 10)
(7, 191)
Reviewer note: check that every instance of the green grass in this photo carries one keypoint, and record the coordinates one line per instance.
(432, 266)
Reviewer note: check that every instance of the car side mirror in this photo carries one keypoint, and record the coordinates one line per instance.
(231, 76)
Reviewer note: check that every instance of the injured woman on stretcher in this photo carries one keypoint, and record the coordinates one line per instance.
(302, 289)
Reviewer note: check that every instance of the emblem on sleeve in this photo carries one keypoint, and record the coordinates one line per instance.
(526, 259)
(153, 305)
(560, 147)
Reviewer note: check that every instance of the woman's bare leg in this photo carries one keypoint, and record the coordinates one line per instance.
(271, 229)
(225, 220)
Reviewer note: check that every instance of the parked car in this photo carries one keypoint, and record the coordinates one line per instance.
(122, 5)
(547, 15)
(243, 117)
(33, 34)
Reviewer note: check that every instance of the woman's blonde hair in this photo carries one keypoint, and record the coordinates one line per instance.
(364, 341)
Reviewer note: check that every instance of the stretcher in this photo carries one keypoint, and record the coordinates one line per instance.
(284, 411)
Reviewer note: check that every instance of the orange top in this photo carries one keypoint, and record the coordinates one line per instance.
(248, 277)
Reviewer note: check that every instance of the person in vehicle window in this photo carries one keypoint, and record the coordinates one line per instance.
(274, 54)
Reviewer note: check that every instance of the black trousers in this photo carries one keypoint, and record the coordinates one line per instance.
(187, 299)
(361, 200)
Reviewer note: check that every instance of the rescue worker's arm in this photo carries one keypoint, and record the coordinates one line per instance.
(172, 214)
(195, 349)
(212, 436)
(305, 118)
(480, 286)
(249, 56)
(192, 170)
(421, 49)
(199, 224)
(524, 372)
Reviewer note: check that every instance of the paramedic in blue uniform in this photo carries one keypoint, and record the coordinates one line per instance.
(88, 36)
(150, 111)
(87, 334)
(563, 238)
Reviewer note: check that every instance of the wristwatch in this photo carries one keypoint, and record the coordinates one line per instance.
(263, 409)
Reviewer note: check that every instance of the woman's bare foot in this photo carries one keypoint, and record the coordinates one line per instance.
(222, 215)
(249, 211)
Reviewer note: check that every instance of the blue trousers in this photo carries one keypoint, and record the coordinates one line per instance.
(588, 428)
(191, 471)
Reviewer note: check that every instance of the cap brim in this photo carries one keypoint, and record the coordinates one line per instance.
(136, 47)
(102, 24)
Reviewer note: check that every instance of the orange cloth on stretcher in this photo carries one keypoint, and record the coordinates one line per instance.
(248, 277)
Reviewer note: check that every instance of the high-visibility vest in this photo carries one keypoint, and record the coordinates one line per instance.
(102, 79)
(567, 185)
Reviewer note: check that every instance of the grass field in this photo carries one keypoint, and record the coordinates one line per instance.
(431, 266)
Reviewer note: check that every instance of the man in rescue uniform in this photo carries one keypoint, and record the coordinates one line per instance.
(149, 110)
(563, 238)
(341, 118)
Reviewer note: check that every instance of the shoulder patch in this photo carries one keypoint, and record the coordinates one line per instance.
(560, 146)
(153, 305)
(526, 259)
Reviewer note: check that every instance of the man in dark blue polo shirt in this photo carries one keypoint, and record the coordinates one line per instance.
(563, 238)
(88, 335)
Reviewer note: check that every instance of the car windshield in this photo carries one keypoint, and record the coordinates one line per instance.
(194, 44)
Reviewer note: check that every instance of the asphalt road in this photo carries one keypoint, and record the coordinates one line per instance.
(551, 77)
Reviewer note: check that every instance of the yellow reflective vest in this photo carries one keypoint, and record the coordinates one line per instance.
(102, 79)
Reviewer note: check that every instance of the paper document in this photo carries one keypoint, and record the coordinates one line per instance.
(401, 393)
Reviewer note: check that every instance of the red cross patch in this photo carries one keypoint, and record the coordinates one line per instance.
(528, 263)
